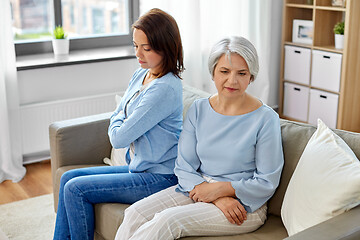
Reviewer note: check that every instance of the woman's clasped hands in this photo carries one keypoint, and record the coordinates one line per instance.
(221, 196)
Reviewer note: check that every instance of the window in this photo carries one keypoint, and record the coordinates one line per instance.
(115, 22)
(32, 20)
(89, 23)
(98, 25)
(84, 20)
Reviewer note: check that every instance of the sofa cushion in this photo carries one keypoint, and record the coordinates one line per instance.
(109, 216)
(325, 183)
(294, 139)
(190, 94)
(295, 136)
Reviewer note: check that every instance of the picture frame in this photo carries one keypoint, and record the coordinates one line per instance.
(338, 3)
(302, 31)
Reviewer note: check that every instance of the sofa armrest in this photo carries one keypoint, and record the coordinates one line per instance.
(79, 141)
(344, 226)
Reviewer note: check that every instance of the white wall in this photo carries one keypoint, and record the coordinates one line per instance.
(274, 30)
(207, 21)
(74, 81)
(58, 93)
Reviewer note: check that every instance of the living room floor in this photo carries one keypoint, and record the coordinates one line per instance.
(37, 182)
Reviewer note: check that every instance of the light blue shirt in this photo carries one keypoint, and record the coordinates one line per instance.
(245, 150)
(152, 123)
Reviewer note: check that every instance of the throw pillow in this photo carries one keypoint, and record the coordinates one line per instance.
(325, 183)
(117, 157)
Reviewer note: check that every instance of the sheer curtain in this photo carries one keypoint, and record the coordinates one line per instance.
(203, 22)
(11, 162)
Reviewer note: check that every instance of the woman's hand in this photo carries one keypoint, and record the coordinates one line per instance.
(209, 192)
(232, 209)
(204, 192)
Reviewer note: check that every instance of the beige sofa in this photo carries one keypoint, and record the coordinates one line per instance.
(84, 142)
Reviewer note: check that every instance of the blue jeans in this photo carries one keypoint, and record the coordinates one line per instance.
(80, 189)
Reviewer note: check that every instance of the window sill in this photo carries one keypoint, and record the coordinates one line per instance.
(47, 60)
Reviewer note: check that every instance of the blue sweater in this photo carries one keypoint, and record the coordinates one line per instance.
(153, 123)
(245, 150)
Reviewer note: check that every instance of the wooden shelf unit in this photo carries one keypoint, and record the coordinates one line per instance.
(324, 17)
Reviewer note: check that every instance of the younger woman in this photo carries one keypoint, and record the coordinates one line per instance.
(147, 124)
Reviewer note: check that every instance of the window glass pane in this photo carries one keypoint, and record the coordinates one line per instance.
(94, 18)
(32, 19)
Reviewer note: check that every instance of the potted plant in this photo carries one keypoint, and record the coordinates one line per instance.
(60, 42)
(339, 35)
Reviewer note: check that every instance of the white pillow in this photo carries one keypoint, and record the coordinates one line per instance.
(325, 183)
(117, 157)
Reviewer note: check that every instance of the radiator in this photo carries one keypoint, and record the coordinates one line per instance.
(36, 118)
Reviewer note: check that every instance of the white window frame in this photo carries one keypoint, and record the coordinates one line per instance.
(44, 46)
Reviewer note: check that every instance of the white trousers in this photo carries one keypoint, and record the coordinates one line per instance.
(171, 215)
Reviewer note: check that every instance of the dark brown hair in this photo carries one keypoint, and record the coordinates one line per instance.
(164, 38)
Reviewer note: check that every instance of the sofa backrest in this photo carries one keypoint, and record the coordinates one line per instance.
(295, 136)
(190, 94)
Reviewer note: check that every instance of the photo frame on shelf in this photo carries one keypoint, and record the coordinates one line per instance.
(302, 31)
(338, 3)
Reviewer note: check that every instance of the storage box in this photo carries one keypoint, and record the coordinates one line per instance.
(296, 100)
(323, 105)
(297, 64)
(326, 70)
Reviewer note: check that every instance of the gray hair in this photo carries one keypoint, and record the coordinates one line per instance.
(238, 45)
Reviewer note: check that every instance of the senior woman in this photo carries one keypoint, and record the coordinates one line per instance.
(229, 159)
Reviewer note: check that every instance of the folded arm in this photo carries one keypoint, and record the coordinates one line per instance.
(155, 105)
